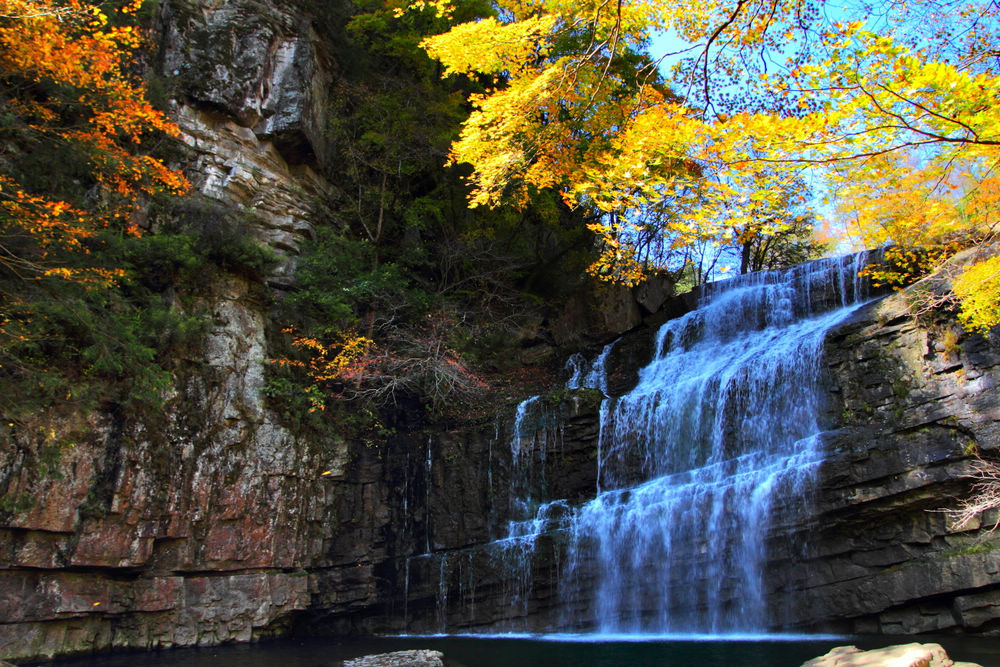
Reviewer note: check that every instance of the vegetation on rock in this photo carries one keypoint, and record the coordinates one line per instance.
(407, 293)
(77, 175)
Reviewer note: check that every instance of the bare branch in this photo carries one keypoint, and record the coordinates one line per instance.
(985, 494)
(708, 46)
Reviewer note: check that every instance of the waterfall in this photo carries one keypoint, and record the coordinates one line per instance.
(717, 441)
(589, 376)
(722, 425)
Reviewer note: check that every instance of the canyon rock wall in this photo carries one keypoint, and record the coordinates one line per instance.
(212, 521)
(199, 525)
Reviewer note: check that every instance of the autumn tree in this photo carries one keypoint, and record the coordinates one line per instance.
(67, 84)
(892, 111)
(410, 294)
(75, 176)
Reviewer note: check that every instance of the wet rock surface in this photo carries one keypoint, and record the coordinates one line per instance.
(909, 404)
(883, 554)
(220, 525)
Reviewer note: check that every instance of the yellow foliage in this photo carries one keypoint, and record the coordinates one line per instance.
(490, 47)
(902, 125)
(329, 362)
(978, 290)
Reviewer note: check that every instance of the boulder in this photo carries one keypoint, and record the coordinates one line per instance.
(902, 655)
(414, 658)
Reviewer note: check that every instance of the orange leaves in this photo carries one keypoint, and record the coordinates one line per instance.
(98, 108)
(73, 46)
(89, 277)
(50, 223)
(341, 361)
(420, 359)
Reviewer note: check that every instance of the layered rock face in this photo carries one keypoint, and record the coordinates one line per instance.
(212, 522)
(196, 527)
(879, 555)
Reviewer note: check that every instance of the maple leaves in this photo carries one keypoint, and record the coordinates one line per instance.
(547, 116)
(76, 176)
(899, 124)
(66, 72)
(327, 364)
(977, 288)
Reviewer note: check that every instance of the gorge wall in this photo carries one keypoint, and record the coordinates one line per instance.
(213, 522)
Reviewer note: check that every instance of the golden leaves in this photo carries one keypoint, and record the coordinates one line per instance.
(490, 47)
(977, 288)
(328, 362)
(902, 126)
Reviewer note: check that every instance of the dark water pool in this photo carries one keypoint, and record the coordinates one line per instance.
(557, 651)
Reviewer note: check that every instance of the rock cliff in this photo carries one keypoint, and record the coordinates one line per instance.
(213, 522)
(197, 526)
(912, 403)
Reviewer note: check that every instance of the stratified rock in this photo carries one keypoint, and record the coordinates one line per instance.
(415, 658)
(217, 510)
(903, 655)
(259, 63)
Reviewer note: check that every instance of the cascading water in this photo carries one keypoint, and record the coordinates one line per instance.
(719, 437)
(589, 376)
(723, 421)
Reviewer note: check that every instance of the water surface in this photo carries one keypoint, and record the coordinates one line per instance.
(543, 651)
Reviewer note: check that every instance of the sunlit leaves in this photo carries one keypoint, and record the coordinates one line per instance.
(491, 47)
(894, 113)
(337, 362)
(977, 288)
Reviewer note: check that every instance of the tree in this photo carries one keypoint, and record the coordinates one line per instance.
(66, 80)
(767, 94)
(75, 177)
(779, 234)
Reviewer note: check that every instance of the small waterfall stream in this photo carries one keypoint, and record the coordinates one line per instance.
(721, 433)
